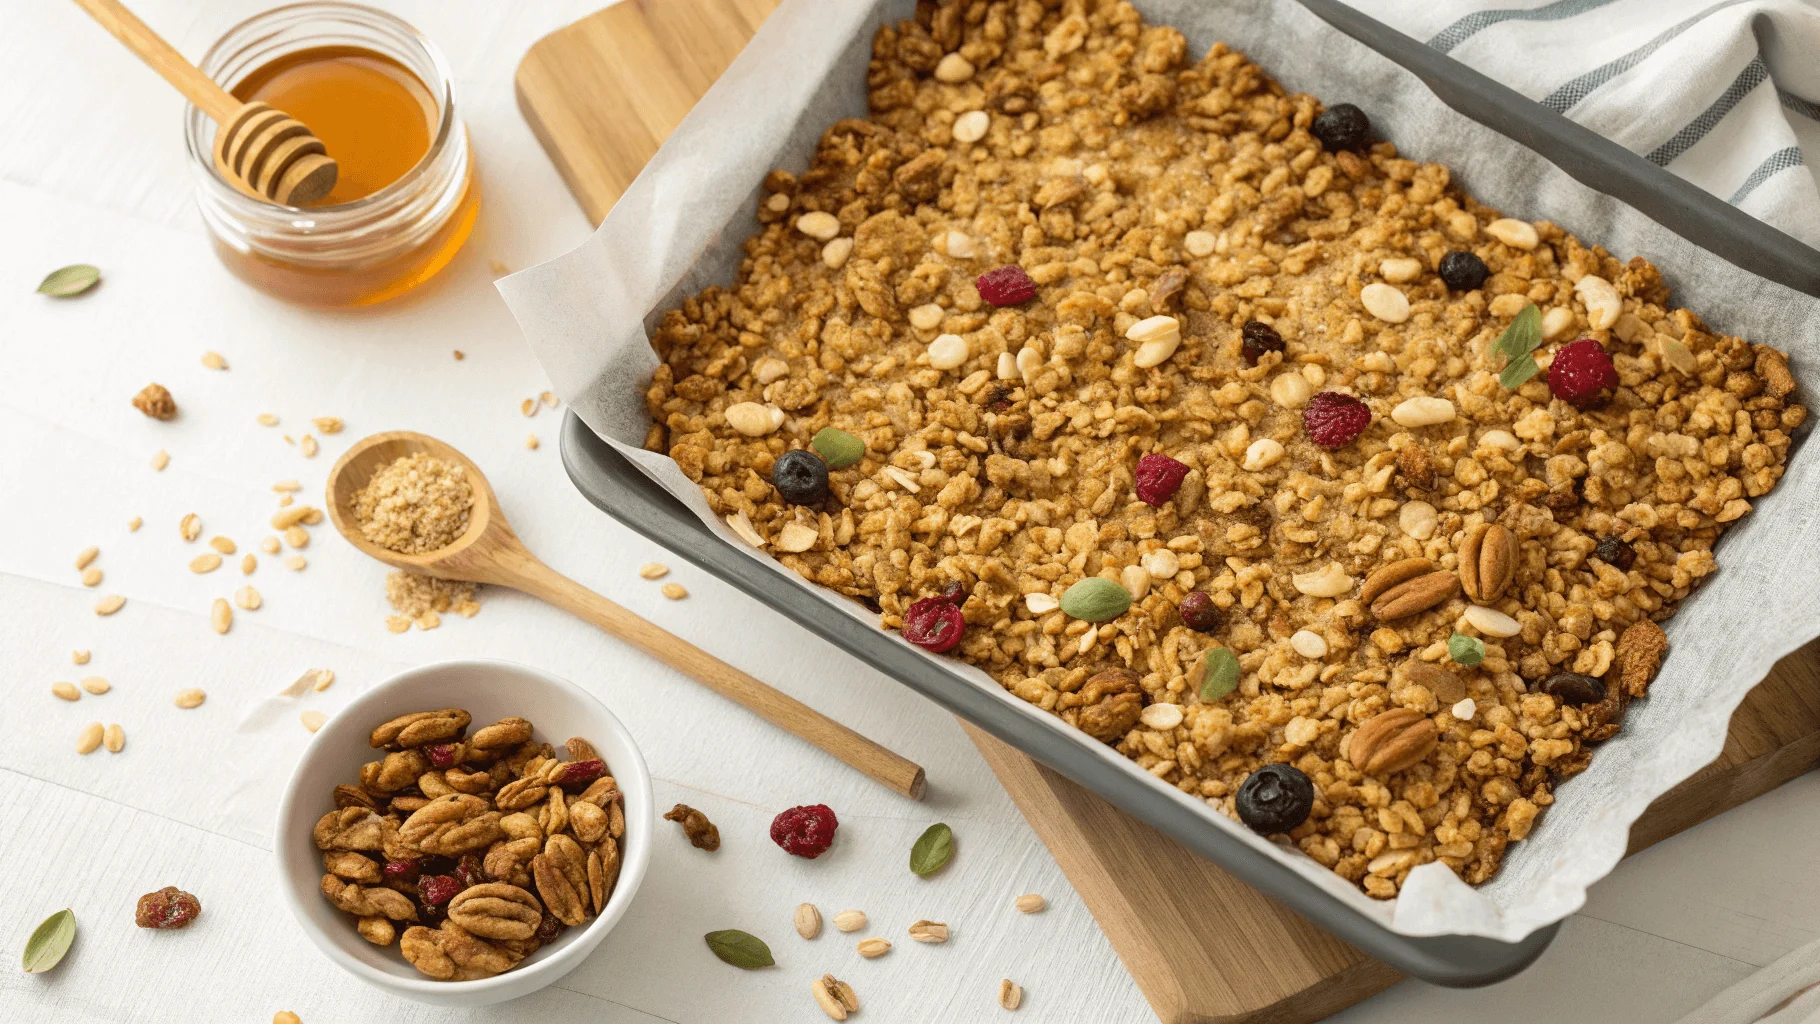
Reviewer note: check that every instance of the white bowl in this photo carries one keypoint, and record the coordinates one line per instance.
(490, 690)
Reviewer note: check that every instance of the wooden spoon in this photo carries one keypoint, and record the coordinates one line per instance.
(489, 552)
(263, 151)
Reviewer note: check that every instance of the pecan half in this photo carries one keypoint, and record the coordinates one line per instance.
(476, 782)
(507, 732)
(588, 821)
(561, 873)
(581, 750)
(1416, 595)
(351, 866)
(351, 828)
(473, 956)
(1638, 656)
(377, 930)
(354, 796)
(509, 860)
(423, 948)
(1488, 562)
(1392, 741)
(375, 901)
(495, 910)
(601, 791)
(418, 728)
(603, 872)
(451, 825)
(1385, 577)
(394, 772)
(521, 793)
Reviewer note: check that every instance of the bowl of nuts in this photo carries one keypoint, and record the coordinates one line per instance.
(466, 832)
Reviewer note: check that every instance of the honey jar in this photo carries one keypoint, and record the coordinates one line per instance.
(381, 98)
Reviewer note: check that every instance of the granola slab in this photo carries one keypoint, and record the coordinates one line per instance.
(1135, 185)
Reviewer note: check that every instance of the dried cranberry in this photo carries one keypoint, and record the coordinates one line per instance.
(577, 775)
(934, 624)
(435, 890)
(954, 592)
(1581, 374)
(1333, 419)
(547, 929)
(469, 871)
(1341, 126)
(1157, 477)
(1616, 553)
(1199, 613)
(805, 831)
(406, 871)
(1006, 286)
(1462, 271)
(169, 907)
(442, 755)
(1259, 338)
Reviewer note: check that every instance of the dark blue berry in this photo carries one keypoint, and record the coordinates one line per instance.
(1341, 126)
(1275, 798)
(1462, 271)
(801, 477)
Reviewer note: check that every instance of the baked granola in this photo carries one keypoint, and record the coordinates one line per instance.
(1000, 444)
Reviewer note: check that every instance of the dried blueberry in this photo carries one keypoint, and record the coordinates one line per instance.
(1615, 553)
(1275, 798)
(1199, 613)
(1574, 688)
(1462, 271)
(1341, 126)
(1259, 338)
(801, 477)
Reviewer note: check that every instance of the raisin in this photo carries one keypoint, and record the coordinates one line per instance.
(169, 907)
(1616, 553)
(1199, 612)
(1462, 271)
(1258, 338)
(1341, 126)
(954, 592)
(1574, 688)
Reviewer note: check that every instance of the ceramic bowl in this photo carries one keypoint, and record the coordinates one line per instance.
(489, 690)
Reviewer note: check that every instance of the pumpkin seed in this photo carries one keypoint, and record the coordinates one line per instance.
(1465, 650)
(742, 950)
(70, 281)
(932, 850)
(837, 448)
(1096, 599)
(1219, 674)
(50, 940)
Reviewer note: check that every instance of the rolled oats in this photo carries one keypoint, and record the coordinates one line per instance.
(114, 738)
(91, 577)
(110, 604)
(674, 591)
(207, 562)
(653, 570)
(1133, 181)
(190, 698)
(312, 719)
(96, 685)
(85, 556)
(89, 738)
(66, 690)
(221, 615)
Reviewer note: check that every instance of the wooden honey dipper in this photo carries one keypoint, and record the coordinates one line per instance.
(260, 149)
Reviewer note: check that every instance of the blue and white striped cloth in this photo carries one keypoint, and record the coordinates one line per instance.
(1724, 93)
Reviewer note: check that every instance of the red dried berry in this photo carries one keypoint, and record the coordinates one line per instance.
(805, 831)
(954, 592)
(442, 755)
(169, 907)
(934, 624)
(469, 871)
(579, 774)
(1581, 373)
(1334, 418)
(435, 890)
(1157, 477)
(1199, 612)
(1006, 286)
(548, 928)
(405, 871)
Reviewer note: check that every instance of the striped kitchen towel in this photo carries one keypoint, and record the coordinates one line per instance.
(1724, 93)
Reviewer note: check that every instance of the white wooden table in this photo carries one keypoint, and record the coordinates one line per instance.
(93, 171)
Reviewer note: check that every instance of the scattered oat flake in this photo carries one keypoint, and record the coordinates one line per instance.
(134, 524)
(96, 685)
(531, 441)
(109, 604)
(328, 424)
(161, 460)
(528, 407)
(308, 444)
(548, 398)
(248, 599)
(398, 623)
(91, 577)
(221, 615)
(190, 526)
(325, 678)
(213, 361)
(269, 545)
(79, 657)
(287, 486)
(284, 501)
(87, 555)
(297, 537)
(190, 698)
(66, 691)
(288, 439)
(300, 684)
(675, 591)
(312, 719)
(223, 545)
(497, 267)
(206, 562)
(266, 419)
(248, 564)
(295, 563)
(654, 570)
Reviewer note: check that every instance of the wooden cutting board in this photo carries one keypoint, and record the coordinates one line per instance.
(602, 94)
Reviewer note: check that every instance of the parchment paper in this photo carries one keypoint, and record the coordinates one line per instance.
(680, 226)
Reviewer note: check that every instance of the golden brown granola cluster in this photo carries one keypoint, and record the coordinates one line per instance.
(1131, 181)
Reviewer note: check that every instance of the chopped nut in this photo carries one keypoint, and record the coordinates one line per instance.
(531, 441)
(1010, 994)
(835, 997)
(190, 526)
(325, 678)
(156, 402)
(134, 524)
(247, 598)
(818, 225)
(312, 719)
(1386, 302)
(79, 657)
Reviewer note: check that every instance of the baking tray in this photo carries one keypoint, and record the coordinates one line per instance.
(619, 488)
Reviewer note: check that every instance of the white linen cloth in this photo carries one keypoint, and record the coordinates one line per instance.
(1785, 992)
(1724, 93)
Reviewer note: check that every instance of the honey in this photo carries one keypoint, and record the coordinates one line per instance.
(380, 98)
(372, 114)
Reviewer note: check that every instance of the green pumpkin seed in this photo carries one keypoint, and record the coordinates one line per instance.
(1219, 672)
(68, 281)
(1096, 599)
(837, 448)
(49, 942)
(932, 849)
(747, 952)
(1465, 650)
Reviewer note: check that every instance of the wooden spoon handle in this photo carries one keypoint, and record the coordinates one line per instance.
(774, 706)
(200, 89)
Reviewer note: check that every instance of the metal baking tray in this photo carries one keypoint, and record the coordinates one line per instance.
(617, 487)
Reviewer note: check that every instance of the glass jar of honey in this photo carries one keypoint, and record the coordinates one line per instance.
(382, 100)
